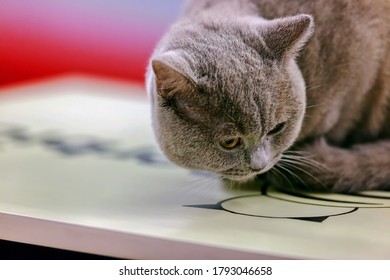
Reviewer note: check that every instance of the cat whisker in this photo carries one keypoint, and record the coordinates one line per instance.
(325, 102)
(300, 156)
(229, 185)
(304, 162)
(201, 182)
(285, 168)
(304, 171)
(295, 152)
(288, 171)
(279, 174)
(296, 176)
(315, 86)
(315, 105)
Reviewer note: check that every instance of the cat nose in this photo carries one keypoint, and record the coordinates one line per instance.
(259, 160)
(258, 165)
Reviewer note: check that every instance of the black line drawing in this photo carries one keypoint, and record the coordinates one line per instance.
(303, 206)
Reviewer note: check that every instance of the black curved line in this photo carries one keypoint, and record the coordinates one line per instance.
(321, 199)
(236, 197)
(315, 204)
(292, 201)
(272, 217)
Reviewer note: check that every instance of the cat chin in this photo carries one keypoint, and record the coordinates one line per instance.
(241, 179)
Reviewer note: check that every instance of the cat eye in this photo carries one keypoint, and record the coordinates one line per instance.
(230, 143)
(278, 128)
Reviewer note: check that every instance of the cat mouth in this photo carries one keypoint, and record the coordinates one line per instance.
(241, 175)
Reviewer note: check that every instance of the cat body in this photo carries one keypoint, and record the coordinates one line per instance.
(299, 90)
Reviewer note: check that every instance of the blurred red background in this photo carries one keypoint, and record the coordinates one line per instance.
(110, 38)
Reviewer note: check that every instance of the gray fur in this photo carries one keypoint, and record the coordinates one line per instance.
(238, 69)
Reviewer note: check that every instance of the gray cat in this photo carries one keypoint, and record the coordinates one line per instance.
(298, 90)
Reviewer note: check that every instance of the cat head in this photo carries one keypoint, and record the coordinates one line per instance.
(228, 97)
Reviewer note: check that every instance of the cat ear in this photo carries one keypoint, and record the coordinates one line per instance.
(285, 37)
(169, 81)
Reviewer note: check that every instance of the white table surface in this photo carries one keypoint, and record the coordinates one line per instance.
(80, 170)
